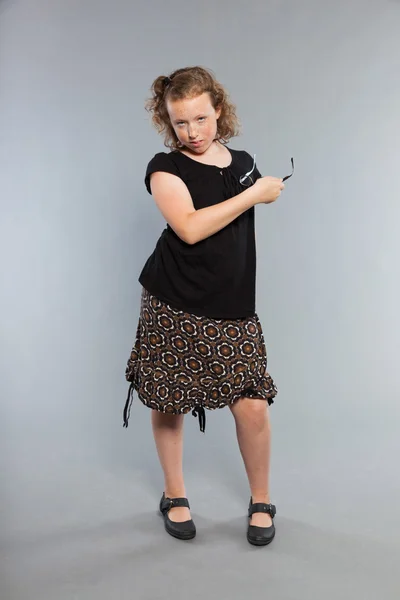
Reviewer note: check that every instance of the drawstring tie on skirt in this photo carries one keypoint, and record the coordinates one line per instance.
(201, 413)
(128, 404)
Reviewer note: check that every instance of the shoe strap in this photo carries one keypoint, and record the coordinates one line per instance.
(262, 507)
(168, 503)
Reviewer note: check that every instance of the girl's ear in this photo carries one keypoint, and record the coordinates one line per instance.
(218, 111)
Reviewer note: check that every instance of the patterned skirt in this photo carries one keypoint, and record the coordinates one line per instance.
(181, 362)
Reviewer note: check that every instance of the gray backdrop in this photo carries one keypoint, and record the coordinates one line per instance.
(315, 80)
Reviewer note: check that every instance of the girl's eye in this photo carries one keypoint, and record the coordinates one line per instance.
(179, 123)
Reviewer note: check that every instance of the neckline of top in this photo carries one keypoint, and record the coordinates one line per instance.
(206, 164)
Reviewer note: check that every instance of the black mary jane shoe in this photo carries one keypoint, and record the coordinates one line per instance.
(185, 530)
(261, 536)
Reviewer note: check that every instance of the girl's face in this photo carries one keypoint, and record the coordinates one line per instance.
(194, 121)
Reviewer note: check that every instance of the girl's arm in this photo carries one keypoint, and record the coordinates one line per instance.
(175, 203)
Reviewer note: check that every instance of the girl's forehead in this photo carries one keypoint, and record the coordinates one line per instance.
(188, 106)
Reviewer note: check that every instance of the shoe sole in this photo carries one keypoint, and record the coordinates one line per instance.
(184, 537)
(258, 542)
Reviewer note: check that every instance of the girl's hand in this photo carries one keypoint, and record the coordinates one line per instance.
(268, 189)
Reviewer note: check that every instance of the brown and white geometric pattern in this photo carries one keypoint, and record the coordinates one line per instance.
(180, 361)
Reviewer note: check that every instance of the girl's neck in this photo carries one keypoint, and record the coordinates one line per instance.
(215, 150)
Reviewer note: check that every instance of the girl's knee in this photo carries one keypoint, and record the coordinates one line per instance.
(254, 410)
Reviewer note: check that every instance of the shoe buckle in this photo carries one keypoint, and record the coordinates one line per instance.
(268, 508)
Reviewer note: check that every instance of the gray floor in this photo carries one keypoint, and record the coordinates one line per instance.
(133, 557)
(81, 527)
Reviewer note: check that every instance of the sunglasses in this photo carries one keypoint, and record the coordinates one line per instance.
(247, 180)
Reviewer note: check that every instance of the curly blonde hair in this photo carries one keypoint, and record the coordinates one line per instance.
(190, 82)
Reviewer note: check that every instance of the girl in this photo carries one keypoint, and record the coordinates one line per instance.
(199, 342)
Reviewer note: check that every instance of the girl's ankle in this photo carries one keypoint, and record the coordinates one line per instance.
(174, 493)
(263, 498)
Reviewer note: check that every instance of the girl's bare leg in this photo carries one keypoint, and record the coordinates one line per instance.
(254, 437)
(168, 437)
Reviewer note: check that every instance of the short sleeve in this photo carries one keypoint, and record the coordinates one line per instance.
(160, 162)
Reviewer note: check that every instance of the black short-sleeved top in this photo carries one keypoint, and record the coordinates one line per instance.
(216, 277)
